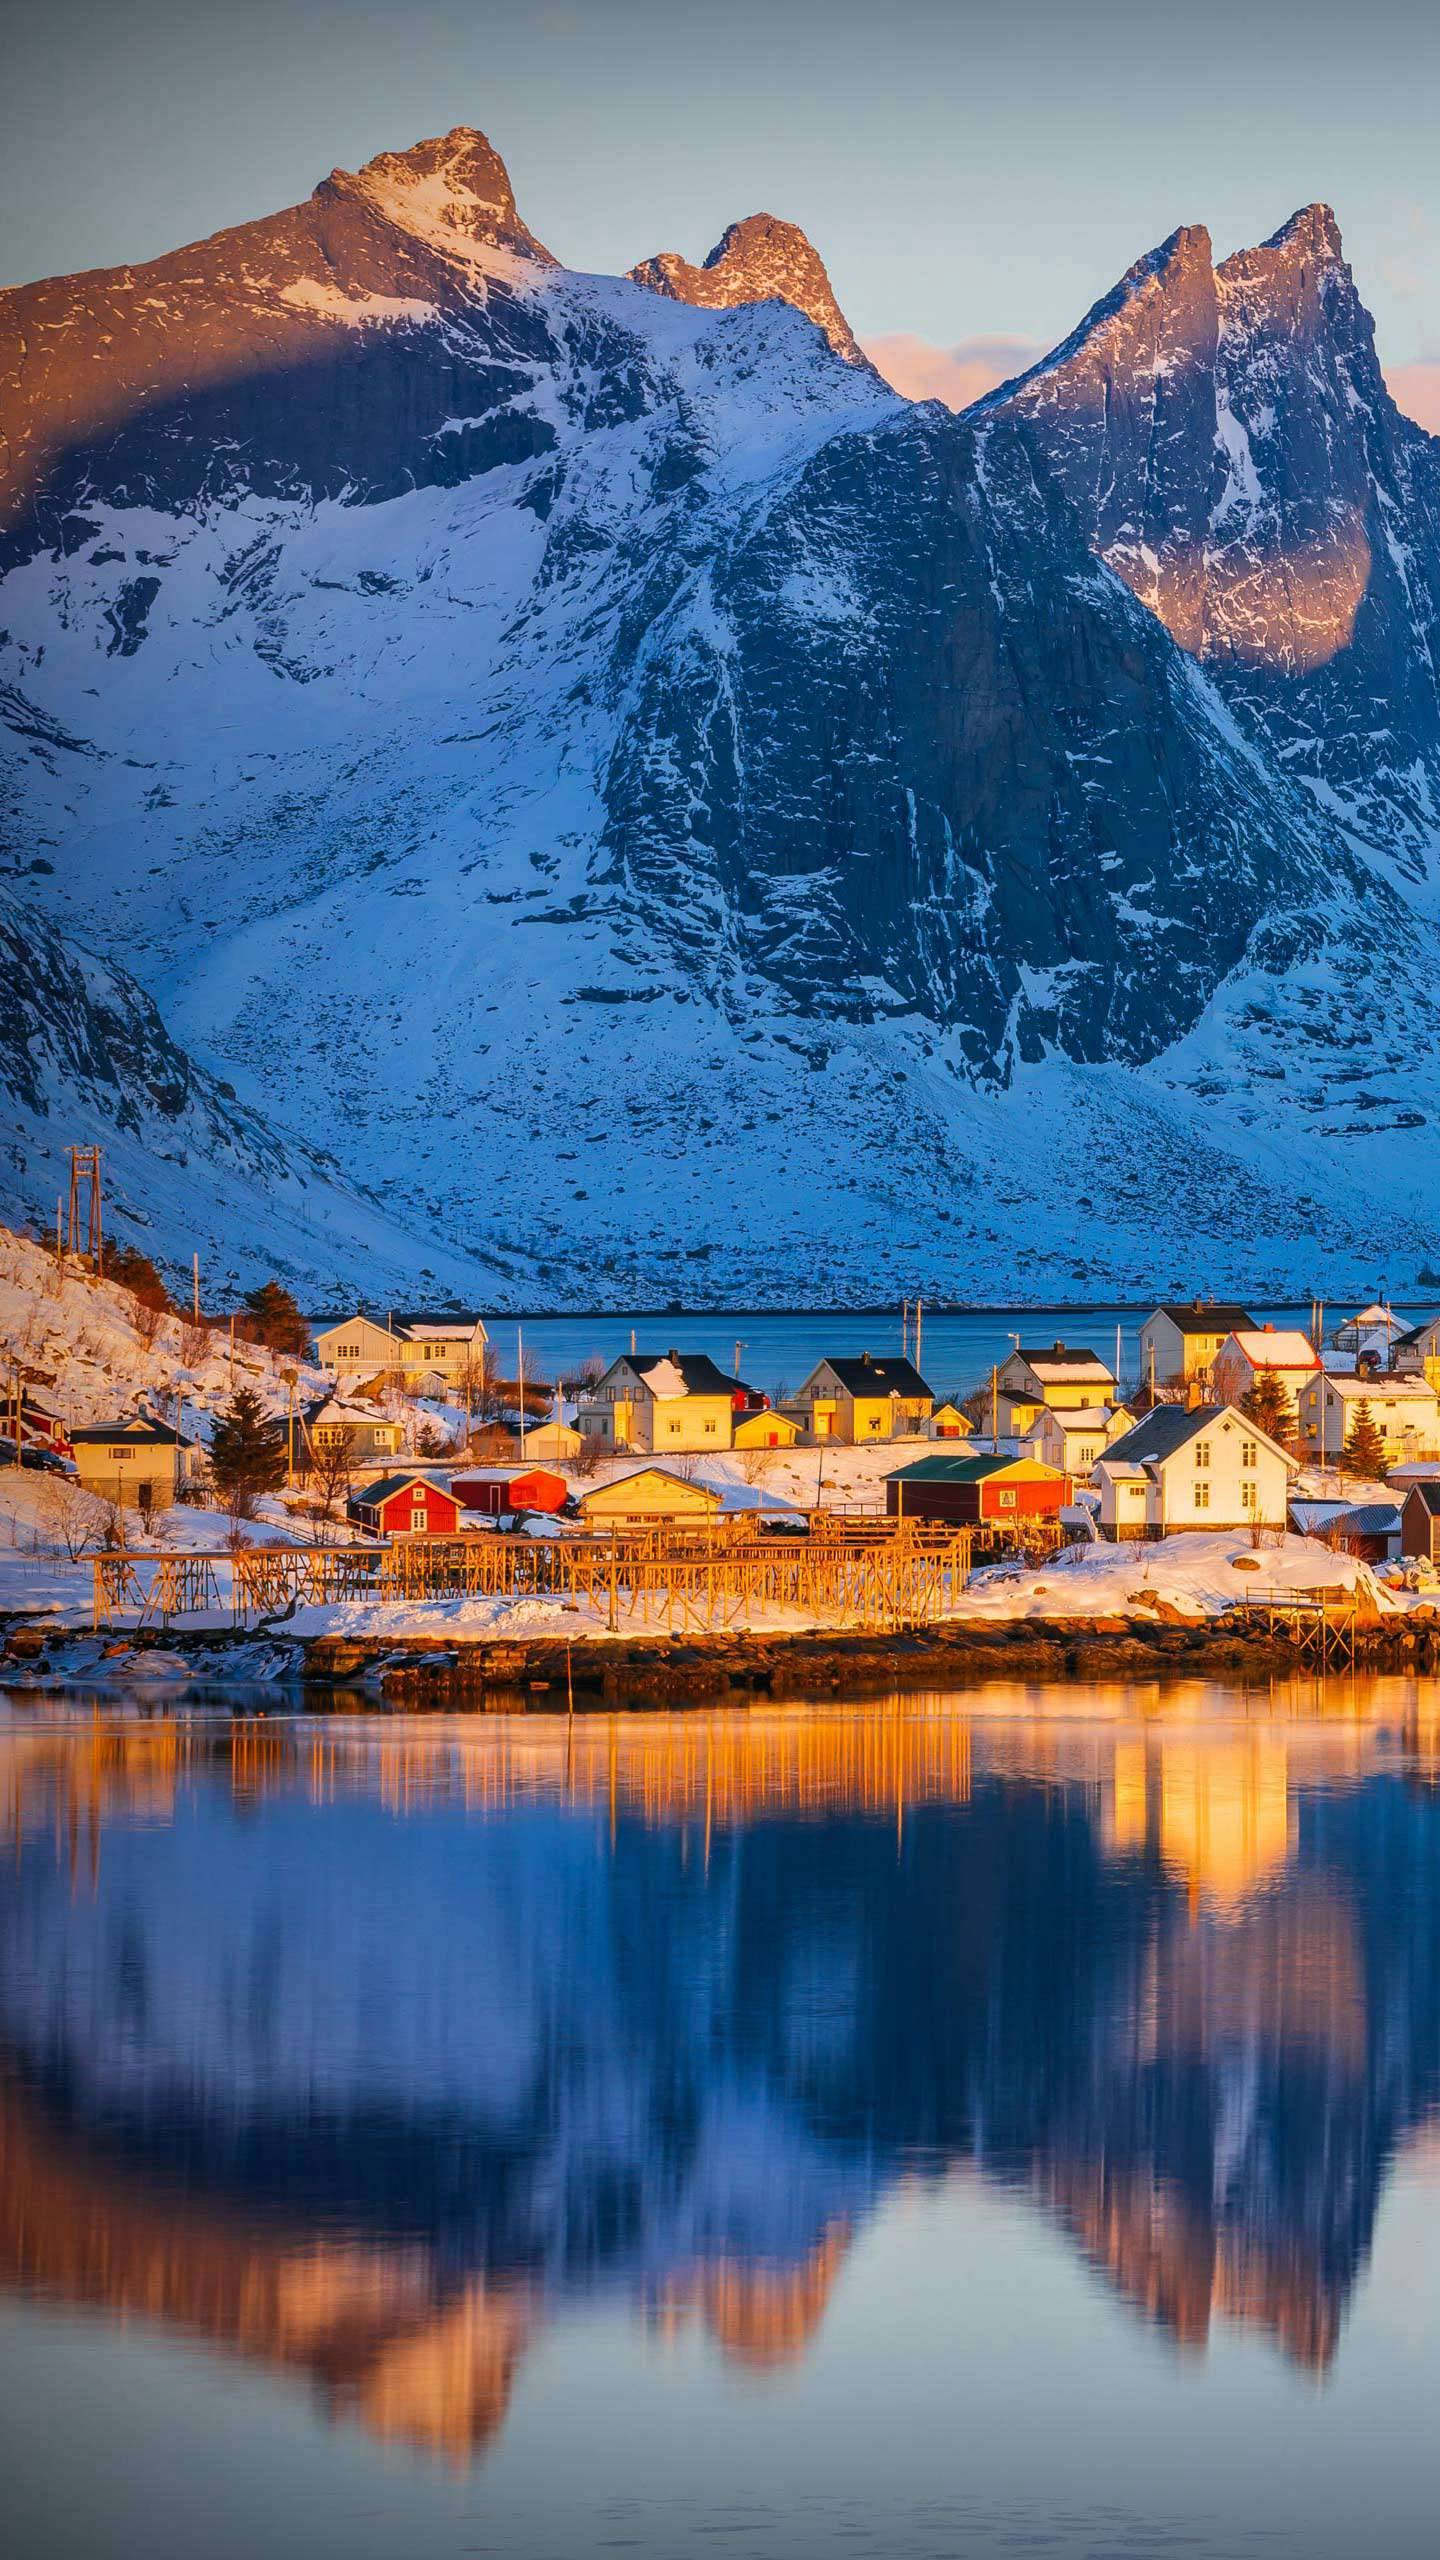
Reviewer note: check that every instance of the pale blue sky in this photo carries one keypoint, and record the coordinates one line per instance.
(964, 170)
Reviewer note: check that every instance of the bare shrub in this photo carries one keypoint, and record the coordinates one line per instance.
(72, 1521)
(588, 1456)
(149, 1323)
(196, 1343)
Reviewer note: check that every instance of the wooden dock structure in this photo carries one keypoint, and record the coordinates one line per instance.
(1321, 1627)
(906, 1575)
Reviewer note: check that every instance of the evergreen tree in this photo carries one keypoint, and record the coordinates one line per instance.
(247, 1451)
(1364, 1451)
(1269, 1404)
(136, 1272)
(276, 1320)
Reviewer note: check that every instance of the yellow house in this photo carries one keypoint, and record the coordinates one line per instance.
(647, 1493)
(767, 1430)
(663, 1401)
(865, 1400)
(1179, 1343)
(135, 1463)
(405, 1346)
(950, 1422)
(356, 1428)
(1061, 1378)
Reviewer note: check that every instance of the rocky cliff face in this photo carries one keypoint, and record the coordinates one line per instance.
(1227, 439)
(757, 260)
(682, 803)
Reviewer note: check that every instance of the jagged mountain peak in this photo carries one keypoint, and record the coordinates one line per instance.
(452, 191)
(759, 259)
(1312, 232)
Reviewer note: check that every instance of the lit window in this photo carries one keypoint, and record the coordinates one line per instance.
(1202, 1453)
(1202, 1497)
(1247, 1496)
(1247, 1453)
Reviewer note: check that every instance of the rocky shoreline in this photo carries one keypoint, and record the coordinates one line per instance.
(548, 1675)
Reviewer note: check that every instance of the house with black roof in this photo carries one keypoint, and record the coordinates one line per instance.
(1181, 1342)
(665, 1400)
(1199, 1467)
(862, 1400)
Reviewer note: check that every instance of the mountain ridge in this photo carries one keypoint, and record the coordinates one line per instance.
(695, 815)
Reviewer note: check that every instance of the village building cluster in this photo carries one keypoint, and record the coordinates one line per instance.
(1223, 1417)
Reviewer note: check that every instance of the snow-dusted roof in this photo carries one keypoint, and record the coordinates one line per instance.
(1265, 1348)
(1390, 1384)
(1080, 1417)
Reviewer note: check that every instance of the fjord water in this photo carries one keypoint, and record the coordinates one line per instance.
(934, 2127)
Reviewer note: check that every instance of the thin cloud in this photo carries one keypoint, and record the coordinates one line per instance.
(957, 375)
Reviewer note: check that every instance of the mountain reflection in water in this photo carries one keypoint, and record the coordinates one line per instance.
(368, 2049)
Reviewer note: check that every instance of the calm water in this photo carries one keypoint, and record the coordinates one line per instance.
(778, 1351)
(899, 2131)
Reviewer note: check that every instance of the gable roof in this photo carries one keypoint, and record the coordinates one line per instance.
(1168, 1427)
(1270, 1347)
(1161, 1431)
(1383, 1385)
(139, 1432)
(1206, 1316)
(970, 1470)
(1058, 1357)
(681, 1373)
(369, 1496)
(1428, 1491)
(1371, 1519)
(1075, 1417)
(868, 1376)
(455, 1321)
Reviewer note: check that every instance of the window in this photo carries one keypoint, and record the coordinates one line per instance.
(1007, 1498)
(673, 1429)
(117, 1453)
(1247, 1453)
(711, 1428)
(1202, 1453)
(417, 1515)
(1247, 1494)
(1202, 1497)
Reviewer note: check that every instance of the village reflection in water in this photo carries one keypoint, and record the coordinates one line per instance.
(368, 2049)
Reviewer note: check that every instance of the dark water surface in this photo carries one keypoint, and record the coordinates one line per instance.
(931, 2128)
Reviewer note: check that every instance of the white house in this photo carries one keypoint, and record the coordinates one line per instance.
(1376, 1329)
(1061, 1377)
(1404, 1409)
(1073, 1438)
(1178, 1343)
(1245, 1355)
(1416, 1354)
(406, 1346)
(1192, 1467)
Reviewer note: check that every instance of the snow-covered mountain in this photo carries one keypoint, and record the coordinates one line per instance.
(670, 815)
(1227, 439)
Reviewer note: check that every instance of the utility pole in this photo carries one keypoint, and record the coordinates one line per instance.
(904, 1328)
(195, 1286)
(85, 1184)
(520, 1369)
(739, 1347)
(232, 1352)
(995, 1408)
(59, 1234)
(919, 1324)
